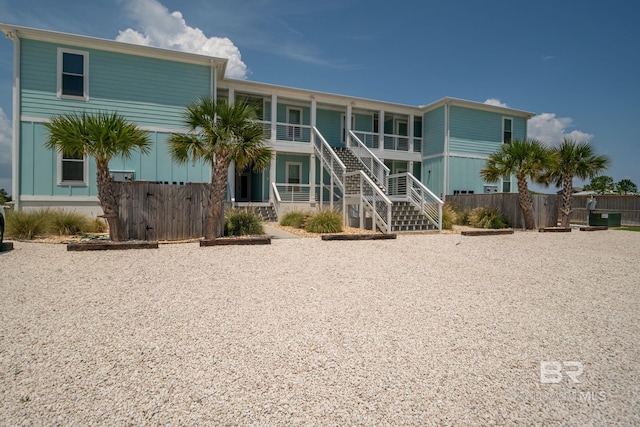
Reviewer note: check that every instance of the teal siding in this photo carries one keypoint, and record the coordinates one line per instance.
(465, 175)
(432, 174)
(328, 123)
(479, 132)
(150, 92)
(281, 167)
(38, 166)
(364, 122)
(433, 141)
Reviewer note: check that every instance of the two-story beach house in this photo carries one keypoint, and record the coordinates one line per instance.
(368, 158)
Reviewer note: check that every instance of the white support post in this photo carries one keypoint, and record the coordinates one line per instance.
(231, 182)
(321, 177)
(274, 117)
(272, 178)
(232, 96)
(312, 179)
(381, 130)
(347, 124)
(411, 134)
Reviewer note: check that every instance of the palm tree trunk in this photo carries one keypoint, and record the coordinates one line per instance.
(526, 204)
(108, 202)
(567, 196)
(213, 225)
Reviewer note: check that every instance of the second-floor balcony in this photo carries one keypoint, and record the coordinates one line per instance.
(390, 142)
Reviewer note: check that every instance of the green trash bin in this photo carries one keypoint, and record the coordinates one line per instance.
(608, 219)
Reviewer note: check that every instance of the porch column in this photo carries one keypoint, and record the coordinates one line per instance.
(380, 130)
(347, 123)
(410, 123)
(274, 117)
(232, 95)
(272, 178)
(312, 179)
(410, 167)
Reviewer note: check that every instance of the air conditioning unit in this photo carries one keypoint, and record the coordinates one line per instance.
(122, 176)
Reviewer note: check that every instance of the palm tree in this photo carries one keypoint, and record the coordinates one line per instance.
(573, 159)
(524, 159)
(218, 133)
(103, 136)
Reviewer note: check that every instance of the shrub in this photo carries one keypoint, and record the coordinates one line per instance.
(26, 224)
(242, 223)
(325, 221)
(97, 225)
(449, 216)
(462, 218)
(65, 223)
(488, 218)
(297, 219)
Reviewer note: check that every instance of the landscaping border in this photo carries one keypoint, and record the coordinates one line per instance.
(225, 241)
(107, 246)
(493, 232)
(329, 237)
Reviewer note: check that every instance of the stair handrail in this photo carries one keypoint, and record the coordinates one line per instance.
(276, 199)
(376, 200)
(329, 157)
(418, 195)
(378, 169)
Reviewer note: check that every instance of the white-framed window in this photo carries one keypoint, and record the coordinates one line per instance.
(73, 170)
(73, 74)
(506, 184)
(293, 175)
(343, 125)
(294, 117)
(507, 130)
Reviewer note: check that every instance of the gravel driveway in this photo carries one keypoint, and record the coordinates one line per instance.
(422, 330)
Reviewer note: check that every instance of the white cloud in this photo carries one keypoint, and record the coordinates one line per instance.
(495, 102)
(165, 29)
(5, 151)
(549, 128)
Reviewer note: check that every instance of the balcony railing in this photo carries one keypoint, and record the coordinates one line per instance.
(370, 161)
(292, 192)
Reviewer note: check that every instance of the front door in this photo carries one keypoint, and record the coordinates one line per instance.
(243, 186)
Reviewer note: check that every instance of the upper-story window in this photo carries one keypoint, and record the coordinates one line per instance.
(294, 120)
(73, 74)
(507, 129)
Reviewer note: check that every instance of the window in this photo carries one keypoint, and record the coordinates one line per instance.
(506, 184)
(72, 170)
(294, 117)
(507, 130)
(293, 172)
(73, 70)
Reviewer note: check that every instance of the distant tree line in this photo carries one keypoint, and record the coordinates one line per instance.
(605, 185)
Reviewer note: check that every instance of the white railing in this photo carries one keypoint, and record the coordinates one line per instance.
(293, 192)
(369, 139)
(266, 128)
(332, 164)
(276, 200)
(370, 161)
(417, 145)
(293, 133)
(407, 187)
(396, 142)
(373, 200)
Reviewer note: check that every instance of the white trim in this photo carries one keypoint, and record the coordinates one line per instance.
(85, 74)
(343, 123)
(85, 170)
(445, 168)
(286, 172)
(90, 199)
(502, 134)
(15, 142)
(468, 156)
(433, 156)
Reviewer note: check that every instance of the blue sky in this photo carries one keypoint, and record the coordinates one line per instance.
(575, 64)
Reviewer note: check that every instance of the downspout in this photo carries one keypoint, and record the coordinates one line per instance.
(15, 147)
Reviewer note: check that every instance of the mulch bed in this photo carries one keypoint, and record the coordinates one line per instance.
(108, 245)
(358, 236)
(554, 230)
(486, 232)
(231, 241)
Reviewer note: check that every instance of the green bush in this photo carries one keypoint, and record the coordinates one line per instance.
(488, 218)
(97, 225)
(65, 223)
(325, 221)
(297, 219)
(26, 224)
(449, 216)
(242, 223)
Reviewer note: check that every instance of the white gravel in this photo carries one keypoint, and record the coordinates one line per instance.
(423, 330)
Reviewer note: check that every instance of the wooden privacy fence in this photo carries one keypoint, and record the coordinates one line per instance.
(545, 206)
(627, 205)
(152, 211)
